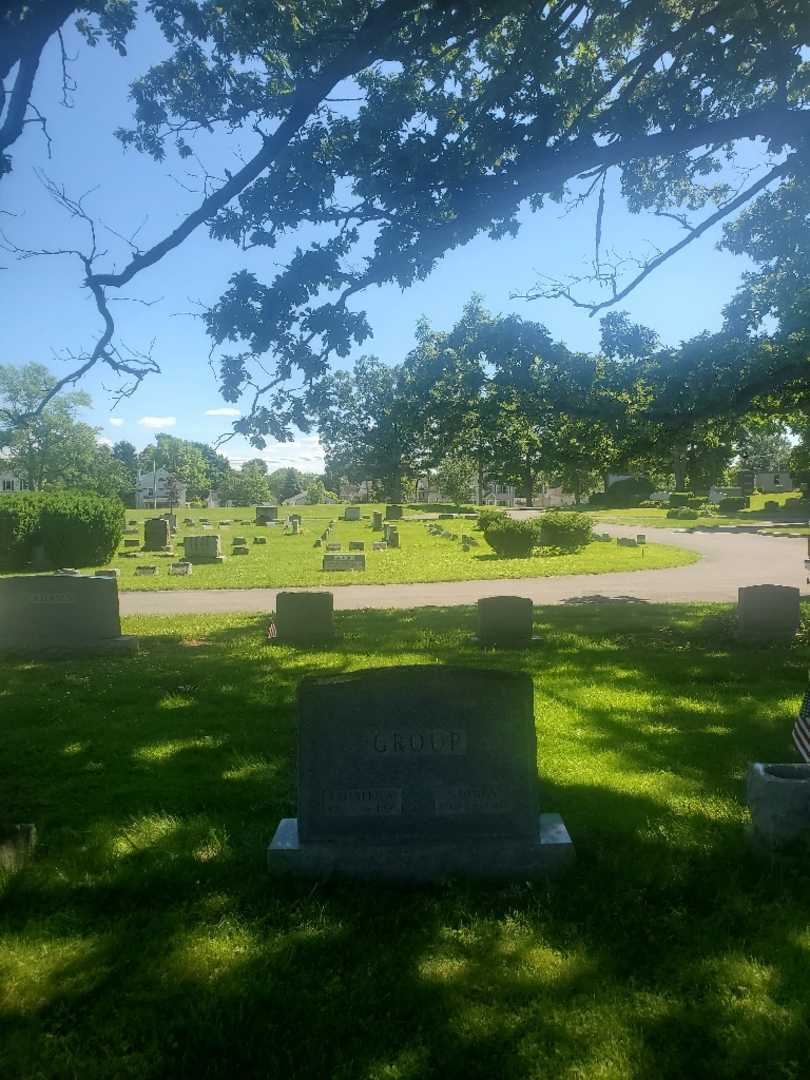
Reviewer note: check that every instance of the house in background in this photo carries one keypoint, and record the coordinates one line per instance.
(153, 491)
(494, 494)
(772, 482)
(10, 482)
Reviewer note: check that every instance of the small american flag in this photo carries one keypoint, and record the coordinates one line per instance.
(271, 631)
(801, 729)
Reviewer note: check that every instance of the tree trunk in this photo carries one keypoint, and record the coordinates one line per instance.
(528, 486)
(679, 468)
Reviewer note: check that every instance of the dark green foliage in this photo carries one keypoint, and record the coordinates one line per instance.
(697, 503)
(19, 515)
(681, 498)
(683, 513)
(74, 529)
(489, 517)
(734, 503)
(513, 539)
(567, 531)
(629, 492)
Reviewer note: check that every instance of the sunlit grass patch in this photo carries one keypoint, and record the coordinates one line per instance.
(147, 939)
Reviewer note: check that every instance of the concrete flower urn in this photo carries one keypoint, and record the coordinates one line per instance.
(779, 798)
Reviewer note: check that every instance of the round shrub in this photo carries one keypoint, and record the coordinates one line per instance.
(683, 513)
(489, 517)
(73, 529)
(512, 539)
(567, 531)
(734, 503)
(680, 498)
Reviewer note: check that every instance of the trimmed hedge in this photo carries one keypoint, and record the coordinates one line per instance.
(512, 539)
(681, 498)
(567, 531)
(734, 503)
(683, 513)
(490, 517)
(73, 529)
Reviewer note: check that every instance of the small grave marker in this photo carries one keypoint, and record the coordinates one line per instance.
(344, 562)
(768, 612)
(505, 621)
(304, 618)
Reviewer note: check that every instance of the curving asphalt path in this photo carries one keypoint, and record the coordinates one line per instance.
(727, 562)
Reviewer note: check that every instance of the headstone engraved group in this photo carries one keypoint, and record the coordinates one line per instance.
(406, 774)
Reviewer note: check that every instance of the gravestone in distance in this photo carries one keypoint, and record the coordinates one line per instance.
(641, 539)
(626, 541)
(344, 562)
(333, 547)
(351, 513)
(259, 539)
(240, 549)
(157, 535)
(379, 545)
(304, 618)
(357, 545)
(240, 540)
(393, 512)
(505, 621)
(180, 569)
(61, 615)
(768, 612)
(132, 543)
(265, 514)
(376, 521)
(203, 549)
(393, 537)
(417, 774)
(146, 571)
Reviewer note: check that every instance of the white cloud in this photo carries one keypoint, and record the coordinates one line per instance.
(116, 421)
(222, 412)
(104, 441)
(158, 421)
(305, 454)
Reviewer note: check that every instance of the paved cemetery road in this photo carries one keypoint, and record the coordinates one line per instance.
(727, 562)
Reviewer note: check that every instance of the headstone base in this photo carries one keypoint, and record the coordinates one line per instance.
(126, 645)
(414, 862)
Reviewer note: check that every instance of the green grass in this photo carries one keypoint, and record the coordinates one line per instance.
(292, 560)
(751, 518)
(147, 940)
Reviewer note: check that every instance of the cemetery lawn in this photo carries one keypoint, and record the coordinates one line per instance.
(292, 560)
(754, 517)
(147, 940)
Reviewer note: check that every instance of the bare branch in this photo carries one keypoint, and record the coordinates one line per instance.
(559, 291)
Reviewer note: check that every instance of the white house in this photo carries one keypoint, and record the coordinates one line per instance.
(153, 490)
(10, 482)
(771, 482)
(494, 494)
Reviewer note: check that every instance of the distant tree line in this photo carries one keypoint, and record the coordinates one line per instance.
(54, 450)
(497, 399)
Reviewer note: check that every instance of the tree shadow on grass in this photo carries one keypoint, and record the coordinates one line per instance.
(149, 940)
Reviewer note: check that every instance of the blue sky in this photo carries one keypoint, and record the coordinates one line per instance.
(44, 310)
